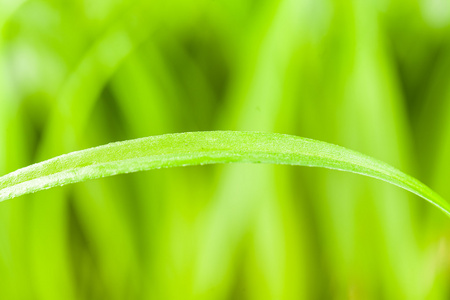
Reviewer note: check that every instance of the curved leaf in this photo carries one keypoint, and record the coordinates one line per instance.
(199, 148)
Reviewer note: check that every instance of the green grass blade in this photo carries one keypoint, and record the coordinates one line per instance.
(199, 148)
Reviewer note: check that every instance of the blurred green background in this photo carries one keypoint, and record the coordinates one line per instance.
(371, 75)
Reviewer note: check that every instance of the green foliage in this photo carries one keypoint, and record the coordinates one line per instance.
(200, 148)
(368, 75)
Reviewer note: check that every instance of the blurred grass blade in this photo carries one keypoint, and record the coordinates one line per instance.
(198, 148)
